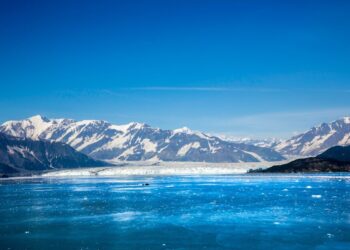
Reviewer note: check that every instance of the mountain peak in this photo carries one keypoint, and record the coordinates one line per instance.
(184, 130)
(317, 139)
(136, 124)
(38, 118)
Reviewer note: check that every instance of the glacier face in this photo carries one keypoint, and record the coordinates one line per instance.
(317, 139)
(137, 141)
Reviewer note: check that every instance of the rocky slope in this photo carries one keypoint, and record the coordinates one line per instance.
(336, 159)
(21, 156)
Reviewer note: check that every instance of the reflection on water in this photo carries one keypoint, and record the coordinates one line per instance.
(211, 212)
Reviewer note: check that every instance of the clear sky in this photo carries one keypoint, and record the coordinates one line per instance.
(245, 68)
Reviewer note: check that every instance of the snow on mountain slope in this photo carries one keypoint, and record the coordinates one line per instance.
(137, 141)
(317, 139)
(23, 155)
(265, 143)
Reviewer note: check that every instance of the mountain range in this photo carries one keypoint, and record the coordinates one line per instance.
(310, 143)
(22, 156)
(317, 139)
(137, 141)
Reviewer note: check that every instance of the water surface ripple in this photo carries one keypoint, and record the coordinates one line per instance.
(187, 212)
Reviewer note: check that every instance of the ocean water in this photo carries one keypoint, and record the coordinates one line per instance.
(191, 212)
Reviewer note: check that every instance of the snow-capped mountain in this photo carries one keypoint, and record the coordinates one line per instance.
(317, 139)
(26, 156)
(137, 141)
(265, 143)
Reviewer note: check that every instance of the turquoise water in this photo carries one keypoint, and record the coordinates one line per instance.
(213, 212)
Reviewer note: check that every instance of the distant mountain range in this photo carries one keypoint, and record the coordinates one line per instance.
(317, 139)
(137, 141)
(37, 144)
(310, 143)
(335, 159)
(21, 156)
(265, 143)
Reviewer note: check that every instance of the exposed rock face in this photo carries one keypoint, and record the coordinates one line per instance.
(336, 159)
(25, 156)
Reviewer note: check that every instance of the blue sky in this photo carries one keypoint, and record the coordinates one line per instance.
(245, 68)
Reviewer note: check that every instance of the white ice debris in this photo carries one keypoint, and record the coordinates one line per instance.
(163, 168)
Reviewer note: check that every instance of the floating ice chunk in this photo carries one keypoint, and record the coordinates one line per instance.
(308, 187)
(330, 235)
(125, 216)
(316, 196)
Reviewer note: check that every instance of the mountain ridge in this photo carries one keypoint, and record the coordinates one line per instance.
(317, 139)
(137, 141)
(26, 156)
